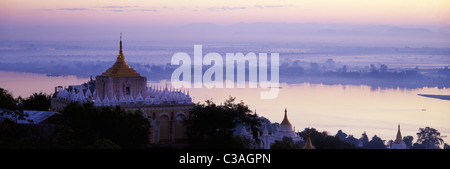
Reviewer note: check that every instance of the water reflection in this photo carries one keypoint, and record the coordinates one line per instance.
(352, 108)
(25, 84)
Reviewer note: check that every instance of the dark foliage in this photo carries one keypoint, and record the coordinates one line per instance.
(408, 141)
(286, 143)
(10, 106)
(90, 126)
(212, 126)
(321, 140)
(375, 143)
(6, 100)
(347, 138)
(37, 101)
(428, 138)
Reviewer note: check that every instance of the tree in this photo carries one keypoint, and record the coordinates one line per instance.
(286, 143)
(375, 143)
(383, 68)
(37, 101)
(6, 100)
(408, 141)
(446, 146)
(321, 140)
(212, 126)
(428, 138)
(9, 106)
(344, 69)
(364, 139)
(352, 140)
(341, 135)
(314, 67)
(389, 143)
(373, 68)
(89, 126)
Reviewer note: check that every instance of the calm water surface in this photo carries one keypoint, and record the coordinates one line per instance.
(352, 108)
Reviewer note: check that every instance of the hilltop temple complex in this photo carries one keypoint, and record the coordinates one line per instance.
(164, 107)
(121, 85)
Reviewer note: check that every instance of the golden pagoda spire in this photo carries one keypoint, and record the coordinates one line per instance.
(121, 67)
(120, 56)
(285, 119)
(308, 140)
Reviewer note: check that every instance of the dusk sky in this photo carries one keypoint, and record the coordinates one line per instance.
(356, 65)
(20, 17)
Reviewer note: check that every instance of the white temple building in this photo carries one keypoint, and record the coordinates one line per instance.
(283, 130)
(122, 86)
(155, 95)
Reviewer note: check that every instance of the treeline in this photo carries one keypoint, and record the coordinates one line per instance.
(298, 68)
(36, 101)
(77, 126)
(427, 138)
(320, 140)
(210, 126)
(329, 69)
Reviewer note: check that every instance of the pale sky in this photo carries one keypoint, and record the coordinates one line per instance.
(31, 19)
(225, 12)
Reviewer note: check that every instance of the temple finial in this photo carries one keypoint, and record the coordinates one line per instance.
(120, 56)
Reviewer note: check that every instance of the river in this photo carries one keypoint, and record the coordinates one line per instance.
(353, 108)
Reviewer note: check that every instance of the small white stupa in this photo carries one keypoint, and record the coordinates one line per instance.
(398, 143)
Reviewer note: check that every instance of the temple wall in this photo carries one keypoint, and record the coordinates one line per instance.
(117, 86)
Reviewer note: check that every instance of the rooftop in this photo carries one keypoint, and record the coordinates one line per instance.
(121, 67)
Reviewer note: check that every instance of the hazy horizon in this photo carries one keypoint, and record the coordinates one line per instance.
(260, 32)
(350, 64)
(385, 23)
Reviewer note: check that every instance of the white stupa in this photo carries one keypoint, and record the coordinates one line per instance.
(398, 143)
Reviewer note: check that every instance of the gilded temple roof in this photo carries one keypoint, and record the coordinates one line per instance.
(285, 120)
(121, 67)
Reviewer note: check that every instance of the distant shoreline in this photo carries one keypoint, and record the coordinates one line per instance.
(442, 97)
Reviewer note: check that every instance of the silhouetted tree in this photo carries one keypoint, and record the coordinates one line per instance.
(212, 126)
(9, 106)
(321, 140)
(6, 100)
(88, 125)
(446, 146)
(352, 140)
(364, 139)
(341, 135)
(389, 143)
(383, 68)
(37, 101)
(314, 67)
(373, 68)
(408, 141)
(428, 138)
(344, 69)
(286, 143)
(375, 143)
